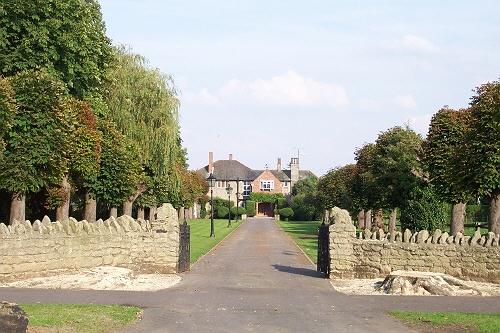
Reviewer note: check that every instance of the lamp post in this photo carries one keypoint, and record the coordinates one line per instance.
(237, 198)
(229, 189)
(211, 183)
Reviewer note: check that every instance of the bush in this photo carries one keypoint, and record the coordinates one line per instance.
(424, 211)
(250, 208)
(304, 208)
(203, 212)
(286, 212)
(238, 210)
(281, 202)
(222, 212)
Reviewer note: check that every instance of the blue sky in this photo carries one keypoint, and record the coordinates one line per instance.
(263, 79)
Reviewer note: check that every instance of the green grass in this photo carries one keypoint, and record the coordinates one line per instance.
(472, 322)
(80, 318)
(305, 234)
(201, 242)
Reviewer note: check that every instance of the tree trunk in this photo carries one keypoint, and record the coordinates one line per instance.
(495, 213)
(457, 218)
(127, 205)
(182, 214)
(368, 219)
(379, 220)
(113, 212)
(152, 214)
(361, 219)
(140, 213)
(62, 212)
(392, 220)
(17, 207)
(90, 208)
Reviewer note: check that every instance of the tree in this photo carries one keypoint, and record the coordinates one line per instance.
(8, 109)
(423, 210)
(365, 194)
(443, 159)
(144, 105)
(36, 153)
(396, 168)
(119, 169)
(482, 149)
(67, 37)
(84, 151)
(304, 201)
(335, 188)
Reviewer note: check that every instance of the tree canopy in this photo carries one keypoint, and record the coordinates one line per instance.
(66, 37)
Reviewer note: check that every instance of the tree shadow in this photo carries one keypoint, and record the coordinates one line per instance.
(298, 271)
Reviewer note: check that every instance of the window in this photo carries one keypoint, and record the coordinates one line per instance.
(247, 188)
(285, 184)
(266, 185)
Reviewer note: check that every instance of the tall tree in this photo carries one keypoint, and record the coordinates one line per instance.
(304, 200)
(67, 37)
(482, 147)
(443, 159)
(144, 105)
(36, 145)
(335, 188)
(396, 167)
(8, 109)
(119, 169)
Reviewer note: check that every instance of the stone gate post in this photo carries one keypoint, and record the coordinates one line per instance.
(342, 237)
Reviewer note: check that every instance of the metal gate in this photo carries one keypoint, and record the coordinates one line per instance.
(324, 249)
(184, 248)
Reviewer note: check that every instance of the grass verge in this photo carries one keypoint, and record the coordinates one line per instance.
(201, 242)
(88, 318)
(451, 321)
(305, 234)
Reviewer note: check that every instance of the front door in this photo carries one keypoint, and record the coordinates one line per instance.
(266, 209)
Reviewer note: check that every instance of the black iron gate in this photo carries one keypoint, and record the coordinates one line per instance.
(324, 249)
(184, 248)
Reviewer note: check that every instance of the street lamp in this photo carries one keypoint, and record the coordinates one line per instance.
(229, 189)
(237, 197)
(211, 183)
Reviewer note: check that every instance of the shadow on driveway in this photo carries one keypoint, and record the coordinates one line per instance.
(298, 271)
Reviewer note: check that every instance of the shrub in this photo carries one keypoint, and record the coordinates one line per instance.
(222, 212)
(423, 210)
(281, 202)
(250, 208)
(286, 212)
(203, 212)
(238, 210)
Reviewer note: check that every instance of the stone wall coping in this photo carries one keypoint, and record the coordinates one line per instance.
(426, 237)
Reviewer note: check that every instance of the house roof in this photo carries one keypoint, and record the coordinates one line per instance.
(281, 175)
(229, 170)
(233, 170)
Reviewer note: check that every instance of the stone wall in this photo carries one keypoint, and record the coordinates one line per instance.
(45, 248)
(370, 255)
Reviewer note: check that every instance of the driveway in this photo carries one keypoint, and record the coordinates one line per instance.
(257, 280)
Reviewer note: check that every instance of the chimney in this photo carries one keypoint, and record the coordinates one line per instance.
(230, 157)
(210, 162)
(278, 166)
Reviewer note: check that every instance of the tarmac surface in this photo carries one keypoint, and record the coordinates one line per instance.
(258, 280)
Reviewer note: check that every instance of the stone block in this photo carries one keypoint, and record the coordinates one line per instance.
(422, 236)
(12, 318)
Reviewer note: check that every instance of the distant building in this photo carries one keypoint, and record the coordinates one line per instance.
(244, 180)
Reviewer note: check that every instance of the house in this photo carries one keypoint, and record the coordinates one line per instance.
(245, 180)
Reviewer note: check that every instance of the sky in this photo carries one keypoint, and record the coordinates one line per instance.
(268, 79)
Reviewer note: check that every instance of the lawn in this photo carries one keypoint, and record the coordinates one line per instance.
(305, 234)
(201, 242)
(461, 322)
(79, 318)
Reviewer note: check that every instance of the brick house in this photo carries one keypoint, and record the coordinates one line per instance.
(245, 180)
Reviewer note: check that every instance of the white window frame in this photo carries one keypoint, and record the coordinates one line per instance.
(266, 185)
